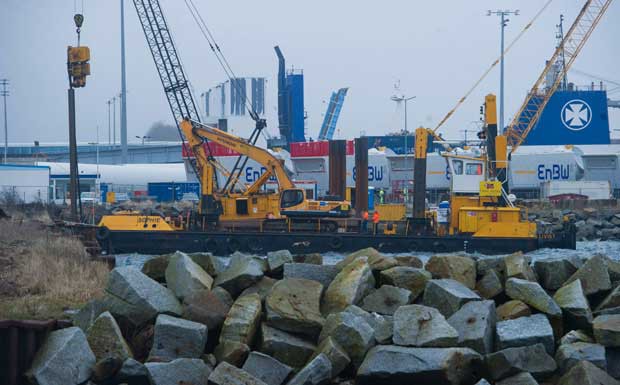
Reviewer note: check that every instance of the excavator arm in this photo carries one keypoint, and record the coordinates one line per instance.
(197, 132)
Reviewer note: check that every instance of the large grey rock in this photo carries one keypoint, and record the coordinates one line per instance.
(594, 275)
(266, 368)
(483, 382)
(532, 294)
(569, 355)
(386, 299)
(209, 263)
(585, 373)
(106, 340)
(475, 324)
(554, 272)
(461, 269)
(316, 372)
(85, 317)
(574, 304)
(512, 309)
(490, 285)
(208, 307)
(294, 306)
(64, 359)
(423, 326)
(377, 261)
(313, 258)
(242, 320)
(606, 330)
(227, 374)
(241, 274)
(336, 354)
(517, 266)
(262, 288)
(324, 274)
(576, 336)
(409, 260)
(155, 267)
(410, 278)
(285, 347)
(133, 372)
(352, 333)
(487, 263)
(134, 296)
(232, 352)
(611, 301)
(525, 331)
(381, 324)
(389, 364)
(177, 338)
(277, 259)
(532, 358)
(447, 295)
(184, 276)
(519, 379)
(613, 362)
(352, 284)
(180, 371)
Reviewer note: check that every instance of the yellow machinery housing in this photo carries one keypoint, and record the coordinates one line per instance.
(132, 222)
(494, 222)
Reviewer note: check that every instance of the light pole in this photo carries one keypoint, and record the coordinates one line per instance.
(403, 98)
(123, 94)
(114, 119)
(109, 102)
(4, 93)
(504, 21)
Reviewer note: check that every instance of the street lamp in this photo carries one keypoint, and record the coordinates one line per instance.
(143, 138)
(503, 23)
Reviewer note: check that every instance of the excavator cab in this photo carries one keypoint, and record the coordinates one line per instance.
(291, 198)
(293, 203)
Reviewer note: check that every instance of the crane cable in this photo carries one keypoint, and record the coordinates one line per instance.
(484, 75)
(206, 33)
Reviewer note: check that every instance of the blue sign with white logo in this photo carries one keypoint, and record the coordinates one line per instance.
(572, 117)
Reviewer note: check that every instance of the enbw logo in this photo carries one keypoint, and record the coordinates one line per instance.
(576, 115)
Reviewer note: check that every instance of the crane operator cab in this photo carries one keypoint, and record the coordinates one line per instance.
(467, 173)
(293, 203)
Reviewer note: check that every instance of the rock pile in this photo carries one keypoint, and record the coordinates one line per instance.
(371, 319)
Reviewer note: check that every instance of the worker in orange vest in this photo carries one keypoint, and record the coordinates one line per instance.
(375, 220)
(365, 221)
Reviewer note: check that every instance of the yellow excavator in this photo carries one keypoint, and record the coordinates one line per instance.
(253, 202)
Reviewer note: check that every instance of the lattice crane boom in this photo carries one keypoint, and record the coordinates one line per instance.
(529, 113)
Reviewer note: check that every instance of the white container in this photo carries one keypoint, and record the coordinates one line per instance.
(592, 189)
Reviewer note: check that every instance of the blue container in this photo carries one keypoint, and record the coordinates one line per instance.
(103, 188)
(161, 191)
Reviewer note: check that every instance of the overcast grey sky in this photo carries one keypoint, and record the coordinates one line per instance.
(437, 49)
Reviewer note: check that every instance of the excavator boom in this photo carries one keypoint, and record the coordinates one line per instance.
(197, 132)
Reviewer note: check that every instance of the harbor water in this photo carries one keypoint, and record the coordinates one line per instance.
(585, 249)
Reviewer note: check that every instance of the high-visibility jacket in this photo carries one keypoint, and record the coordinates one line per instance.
(375, 217)
(365, 215)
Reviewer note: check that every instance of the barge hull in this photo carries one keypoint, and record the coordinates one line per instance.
(225, 243)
